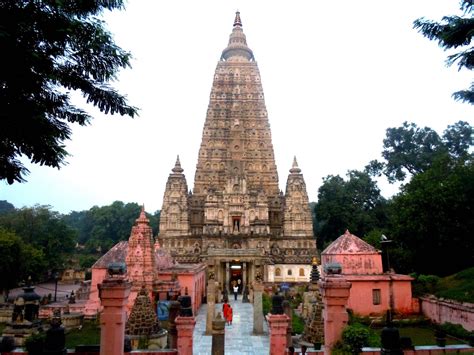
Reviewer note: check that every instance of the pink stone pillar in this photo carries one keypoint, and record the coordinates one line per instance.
(113, 293)
(278, 324)
(185, 327)
(335, 291)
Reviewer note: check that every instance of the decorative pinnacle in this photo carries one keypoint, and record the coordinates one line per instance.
(237, 21)
(142, 218)
(177, 167)
(294, 169)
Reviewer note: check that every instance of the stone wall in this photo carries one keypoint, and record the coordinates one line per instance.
(442, 311)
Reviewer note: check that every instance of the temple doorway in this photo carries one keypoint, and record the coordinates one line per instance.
(235, 275)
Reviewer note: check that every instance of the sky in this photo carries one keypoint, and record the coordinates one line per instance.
(336, 75)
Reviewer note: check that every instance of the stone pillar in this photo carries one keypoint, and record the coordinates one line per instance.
(211, 308)
(175, 308)
(289, 312)
(185, 327)
(227, 272)
(244, 274)
(257, 309)
(113, 293)
(278, 324)
(218, 335)
(335, 292)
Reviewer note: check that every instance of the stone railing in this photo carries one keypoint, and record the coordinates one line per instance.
(442, 311)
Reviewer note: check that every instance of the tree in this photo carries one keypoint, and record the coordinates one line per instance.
(411, 150)
(433, 217)
(44, 230)
(6, 207)
(355, 204)
(18, 261)
(51, 48)
(454, 32)
(100, 228)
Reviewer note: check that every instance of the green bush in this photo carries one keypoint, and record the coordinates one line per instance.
(456, 330)
(34, 344)
(354, 337)
(424, 284)
(297, 323)
(266, 303)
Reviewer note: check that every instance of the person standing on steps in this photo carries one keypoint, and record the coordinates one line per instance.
(230, 313)
(225, 310)
(236, 290)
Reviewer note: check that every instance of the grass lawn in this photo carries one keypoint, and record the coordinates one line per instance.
(422, 336)
(88, 335)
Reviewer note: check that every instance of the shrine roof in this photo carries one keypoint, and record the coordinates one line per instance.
(117, 253)
(349, 244)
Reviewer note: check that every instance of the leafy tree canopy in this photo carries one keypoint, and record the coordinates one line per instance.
(6, 207)
(354, 204)
(410, 149)
(454, 32)
(44, 230)
(51, 48)
(432, 219)
(19, 260)
(99, 228)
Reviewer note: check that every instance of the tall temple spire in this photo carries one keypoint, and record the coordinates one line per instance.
(177, 167)
(237, 49)
(236, 202)
(142, 218)
(294, 169)
(237, 21)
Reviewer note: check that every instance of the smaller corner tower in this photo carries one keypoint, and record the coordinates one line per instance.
(174, 216)
(297, 220)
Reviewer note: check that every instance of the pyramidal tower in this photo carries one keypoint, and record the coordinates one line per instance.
(236, 219)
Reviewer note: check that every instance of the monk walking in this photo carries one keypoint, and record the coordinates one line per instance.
(229, 315)
(225, 310)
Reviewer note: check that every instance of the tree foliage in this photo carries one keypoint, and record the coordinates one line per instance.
(44, 230)
(19, 260)
(454, 32)
(99, 228)
(51, 48)
(433, 217)
(409, 149)
(354, 204)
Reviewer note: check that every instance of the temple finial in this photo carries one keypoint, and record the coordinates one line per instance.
(294, 168)
(237, 21)
(177, 167)
(142, 218)
(237, 49)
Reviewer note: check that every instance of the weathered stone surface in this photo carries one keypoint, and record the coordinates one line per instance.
(257, 309)
(211, 305)
(142, 319)
(218, 335)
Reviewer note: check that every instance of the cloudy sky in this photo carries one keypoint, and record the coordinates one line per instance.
(336, 75)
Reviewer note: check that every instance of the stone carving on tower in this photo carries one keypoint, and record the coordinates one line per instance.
(141, 259)
(238, 217)
(174, 217)
(297, 220)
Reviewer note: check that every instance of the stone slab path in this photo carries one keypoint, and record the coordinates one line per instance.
(239, 339)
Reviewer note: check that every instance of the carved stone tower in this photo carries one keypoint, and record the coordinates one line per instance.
(140, 259)
(236, 219)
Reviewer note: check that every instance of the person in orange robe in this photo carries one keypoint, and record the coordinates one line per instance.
(230, 312)
(225, 310)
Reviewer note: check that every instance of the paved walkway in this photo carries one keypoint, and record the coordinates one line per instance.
(239, 339)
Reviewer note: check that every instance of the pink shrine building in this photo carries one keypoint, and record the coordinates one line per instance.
(373, 291)
(149, 265)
